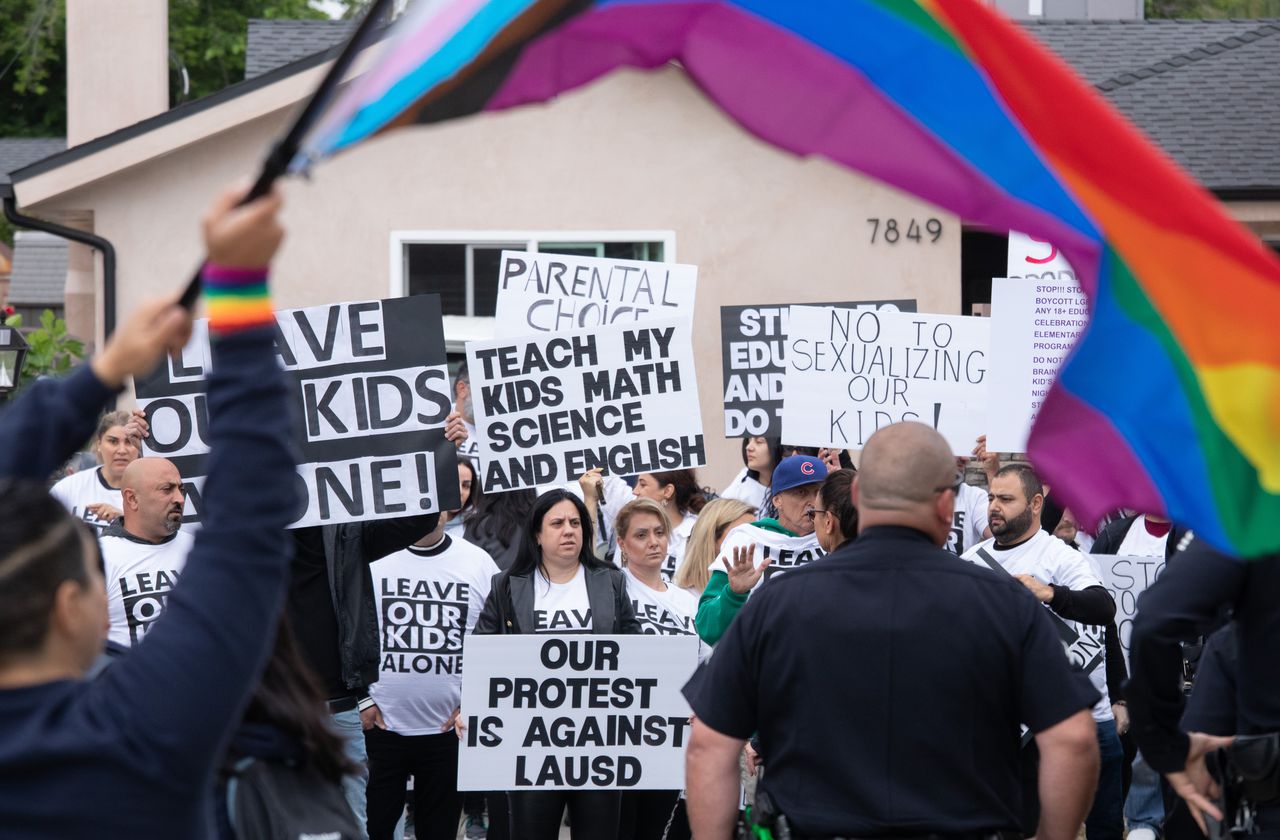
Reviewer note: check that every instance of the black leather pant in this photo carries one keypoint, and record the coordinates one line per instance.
(593, 814)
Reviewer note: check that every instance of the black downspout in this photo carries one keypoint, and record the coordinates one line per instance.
(101, 245)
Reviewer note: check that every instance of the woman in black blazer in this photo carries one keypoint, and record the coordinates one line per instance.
(557, 585)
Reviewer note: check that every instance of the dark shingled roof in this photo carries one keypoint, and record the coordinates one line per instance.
(17, 152)
(39, 269)
(1206, 91)
(275, 43)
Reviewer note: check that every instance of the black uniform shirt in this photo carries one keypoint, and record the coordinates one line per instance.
(1184, 603)
(887, 684)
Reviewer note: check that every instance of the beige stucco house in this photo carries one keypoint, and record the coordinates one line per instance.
(639, 164)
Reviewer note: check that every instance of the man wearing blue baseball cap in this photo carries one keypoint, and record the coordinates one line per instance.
(753, 553)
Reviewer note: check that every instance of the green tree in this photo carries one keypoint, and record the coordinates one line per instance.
(51, 351)
(1213, 8)
(206, 36)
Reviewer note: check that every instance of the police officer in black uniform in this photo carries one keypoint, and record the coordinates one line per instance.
(888, 680)
(1185, 603)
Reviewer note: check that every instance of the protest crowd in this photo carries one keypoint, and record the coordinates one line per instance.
(925, 645)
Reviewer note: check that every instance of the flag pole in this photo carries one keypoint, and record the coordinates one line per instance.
(285, 149)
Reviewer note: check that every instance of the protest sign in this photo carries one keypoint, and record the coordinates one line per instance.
(1034, 324)
(1036, 258)
(550, 407)
(575, 712)
(753, 357)
(1126, 578)
(550, 293)
(370, 391)
(850, 372)
(1036, 314)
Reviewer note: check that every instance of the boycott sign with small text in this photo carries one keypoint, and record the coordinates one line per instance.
(552, 292)
(1126, 578)
(548, 408)
(850, 372)
(575, 712)
(1034, 324)
(1036, 314)
(753, 356)
(371, 394)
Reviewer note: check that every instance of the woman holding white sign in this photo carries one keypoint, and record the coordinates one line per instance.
(662, 609)
(557, 585)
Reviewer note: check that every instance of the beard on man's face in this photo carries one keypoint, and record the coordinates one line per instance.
(1012, 528)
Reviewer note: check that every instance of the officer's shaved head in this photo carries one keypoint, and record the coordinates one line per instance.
(903, 465)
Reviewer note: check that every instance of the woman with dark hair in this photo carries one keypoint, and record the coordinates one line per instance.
(556, 585)
(498, 522)
(468, 498)
(681, 499)
(759, 456)
(835, 521)
(283, 771)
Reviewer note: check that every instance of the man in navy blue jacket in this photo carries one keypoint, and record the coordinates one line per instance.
(132, 753)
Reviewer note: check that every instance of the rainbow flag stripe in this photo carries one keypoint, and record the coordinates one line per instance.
(236, 298)
(1170, 403)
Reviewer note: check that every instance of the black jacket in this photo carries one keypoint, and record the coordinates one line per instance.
(348, 550)
(1113, 534)
(509, 607)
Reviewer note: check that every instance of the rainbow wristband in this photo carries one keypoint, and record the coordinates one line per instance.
(236, 298)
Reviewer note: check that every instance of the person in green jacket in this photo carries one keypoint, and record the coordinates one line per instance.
(781, 544)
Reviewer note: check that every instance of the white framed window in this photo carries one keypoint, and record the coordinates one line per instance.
(462, 266)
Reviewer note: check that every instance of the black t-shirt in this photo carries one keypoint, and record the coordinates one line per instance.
(887, 684)
(311, 613)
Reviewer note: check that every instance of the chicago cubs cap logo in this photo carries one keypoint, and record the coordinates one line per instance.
(806, 467)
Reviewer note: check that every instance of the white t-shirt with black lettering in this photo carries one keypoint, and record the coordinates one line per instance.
(139, 577)
(969, 521)
(668, 613)
(428, 599)
(87, 487)
(1052, 561)
(786, 552)
(561, 607)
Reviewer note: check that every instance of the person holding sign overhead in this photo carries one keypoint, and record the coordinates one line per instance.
(784, 543)
(759, 457)
(557, 585)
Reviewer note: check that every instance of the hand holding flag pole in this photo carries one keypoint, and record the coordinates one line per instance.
(284, 151)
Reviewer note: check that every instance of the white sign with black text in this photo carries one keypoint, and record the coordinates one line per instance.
(851, 372)
(1126, 578)
(551, 293)
(550, 407)
(580, 712)
(369, 383)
